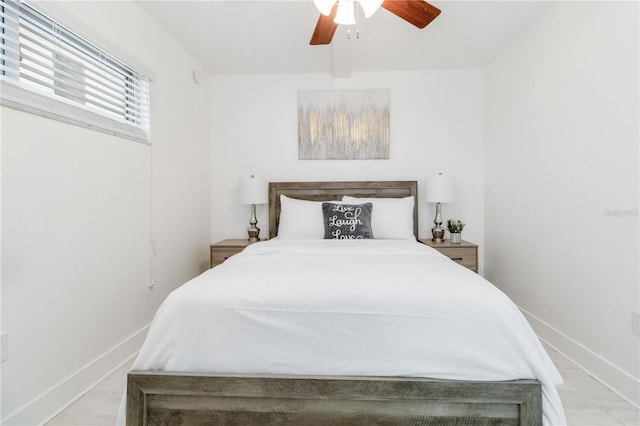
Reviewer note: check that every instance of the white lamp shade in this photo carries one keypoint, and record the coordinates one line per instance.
(370, 6)
(324, 6)
(253, 191)
(345, 14)
(440, 189)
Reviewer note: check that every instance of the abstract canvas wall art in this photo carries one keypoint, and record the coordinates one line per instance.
(343, 124)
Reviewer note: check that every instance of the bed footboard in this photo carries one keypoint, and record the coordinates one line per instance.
(161, 398)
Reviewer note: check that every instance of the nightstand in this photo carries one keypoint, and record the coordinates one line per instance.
(222, 250)
(465, 253)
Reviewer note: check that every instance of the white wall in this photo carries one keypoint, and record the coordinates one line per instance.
(436, 126)
(79, 211)
(561, 152)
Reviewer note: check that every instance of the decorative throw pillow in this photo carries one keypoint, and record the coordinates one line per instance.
(347, 221)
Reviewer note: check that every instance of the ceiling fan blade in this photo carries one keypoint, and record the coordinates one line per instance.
(417, 12)
(325, 28)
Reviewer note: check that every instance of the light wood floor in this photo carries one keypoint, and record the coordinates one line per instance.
(586, 401)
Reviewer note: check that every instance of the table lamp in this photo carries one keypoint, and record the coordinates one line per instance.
(439, 189)
(253, 191)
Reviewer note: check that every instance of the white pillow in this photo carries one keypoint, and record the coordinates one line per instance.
(301, 219)
(391, 218)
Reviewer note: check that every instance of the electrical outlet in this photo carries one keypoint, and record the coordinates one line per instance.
(635, 323)
(4, 347)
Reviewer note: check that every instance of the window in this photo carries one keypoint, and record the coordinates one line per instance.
(47, 69)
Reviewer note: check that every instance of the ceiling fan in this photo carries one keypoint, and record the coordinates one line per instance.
(416, 12)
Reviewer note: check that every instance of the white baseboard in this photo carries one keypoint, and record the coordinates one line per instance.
(51, 402)
(47, 405)
(610, 375)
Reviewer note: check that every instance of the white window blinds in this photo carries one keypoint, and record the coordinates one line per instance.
(42, 60)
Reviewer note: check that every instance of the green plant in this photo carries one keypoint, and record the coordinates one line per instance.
(455, 226)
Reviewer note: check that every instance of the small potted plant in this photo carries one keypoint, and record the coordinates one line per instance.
(455, 228)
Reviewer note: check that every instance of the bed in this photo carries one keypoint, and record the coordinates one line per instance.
(387, 331)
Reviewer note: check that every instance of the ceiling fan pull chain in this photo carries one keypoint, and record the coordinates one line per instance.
(348, 33)
(358, 32)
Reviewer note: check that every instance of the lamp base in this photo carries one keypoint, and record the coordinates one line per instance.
(253, 233)
(438, 234)
(253, 230)
(437, 231)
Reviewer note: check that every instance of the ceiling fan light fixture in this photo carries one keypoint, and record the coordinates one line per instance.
(345, 14)
(324, 6)
(418, 13)
(370, 6)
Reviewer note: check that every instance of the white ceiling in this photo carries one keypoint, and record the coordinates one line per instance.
(244, 37)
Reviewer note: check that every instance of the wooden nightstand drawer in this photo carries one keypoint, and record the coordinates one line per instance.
(465, 253)
(220, 254)
(464, 256)
(224, 249)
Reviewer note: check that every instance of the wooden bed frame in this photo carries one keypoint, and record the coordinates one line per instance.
(178, 398)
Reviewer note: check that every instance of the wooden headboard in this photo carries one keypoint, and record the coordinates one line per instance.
(323, 191)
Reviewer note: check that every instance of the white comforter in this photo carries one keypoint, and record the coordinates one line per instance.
(348, 307)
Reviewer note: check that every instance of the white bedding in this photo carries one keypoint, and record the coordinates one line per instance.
(347, 307)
